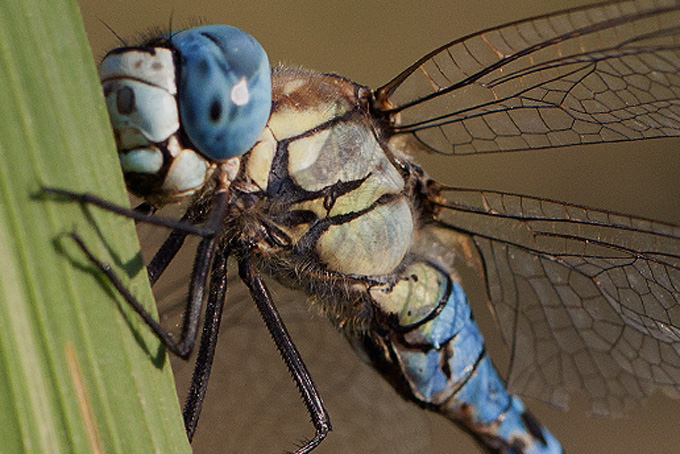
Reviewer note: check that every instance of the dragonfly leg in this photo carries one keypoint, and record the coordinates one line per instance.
(146, 208)
(165, 337)
(182, 348)
(165, 254)
(197, 286)
(174, 242)
(141, 213)
(140, 216)
(291, 355)
(206, 349)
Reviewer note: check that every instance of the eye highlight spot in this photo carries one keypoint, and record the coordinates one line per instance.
(125, 101)
(215, 110)
(239, 93)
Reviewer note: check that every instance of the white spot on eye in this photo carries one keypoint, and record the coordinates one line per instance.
(239, 93)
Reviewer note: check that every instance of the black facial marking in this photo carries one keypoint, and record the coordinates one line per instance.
(125, 101)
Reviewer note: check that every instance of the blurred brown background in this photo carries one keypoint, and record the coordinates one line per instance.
(252, 405)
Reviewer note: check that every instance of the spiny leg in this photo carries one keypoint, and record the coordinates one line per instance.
(203, 260)
(145, 213)
(141, 215)
(174, 242)
(165, 254)
(189, 331)
(206, 350)
(291, 356)
(202, 263)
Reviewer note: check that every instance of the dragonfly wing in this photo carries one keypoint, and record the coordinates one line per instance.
(602, 73)
(585, 299)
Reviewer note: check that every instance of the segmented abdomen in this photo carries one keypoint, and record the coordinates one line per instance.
(427, 344)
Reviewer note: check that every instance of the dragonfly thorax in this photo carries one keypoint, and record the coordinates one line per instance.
(330, 188)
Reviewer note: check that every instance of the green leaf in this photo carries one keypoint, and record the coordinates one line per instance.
(79, 371)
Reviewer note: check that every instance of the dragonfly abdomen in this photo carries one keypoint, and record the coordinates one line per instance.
(432, 351)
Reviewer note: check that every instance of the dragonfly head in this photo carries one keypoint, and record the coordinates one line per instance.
(184, 103)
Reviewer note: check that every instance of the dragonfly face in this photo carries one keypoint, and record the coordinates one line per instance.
(492, 201)
(216, 78)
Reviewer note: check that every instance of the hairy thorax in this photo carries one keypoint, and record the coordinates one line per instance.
(326, 201)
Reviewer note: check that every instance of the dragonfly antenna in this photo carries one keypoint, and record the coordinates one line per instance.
(114, 33)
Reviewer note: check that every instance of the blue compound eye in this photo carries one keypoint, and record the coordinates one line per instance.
(224, 89)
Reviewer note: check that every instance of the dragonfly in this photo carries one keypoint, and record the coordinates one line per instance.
(548, 82)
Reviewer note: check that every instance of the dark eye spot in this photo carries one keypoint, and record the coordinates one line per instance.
(125, 101)
(203, 67)
(215, 110)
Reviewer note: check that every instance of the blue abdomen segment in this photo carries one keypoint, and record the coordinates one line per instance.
(436, 352)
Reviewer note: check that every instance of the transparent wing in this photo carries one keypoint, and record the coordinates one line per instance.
(586, 299)
(601, 73)
(252, 405)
